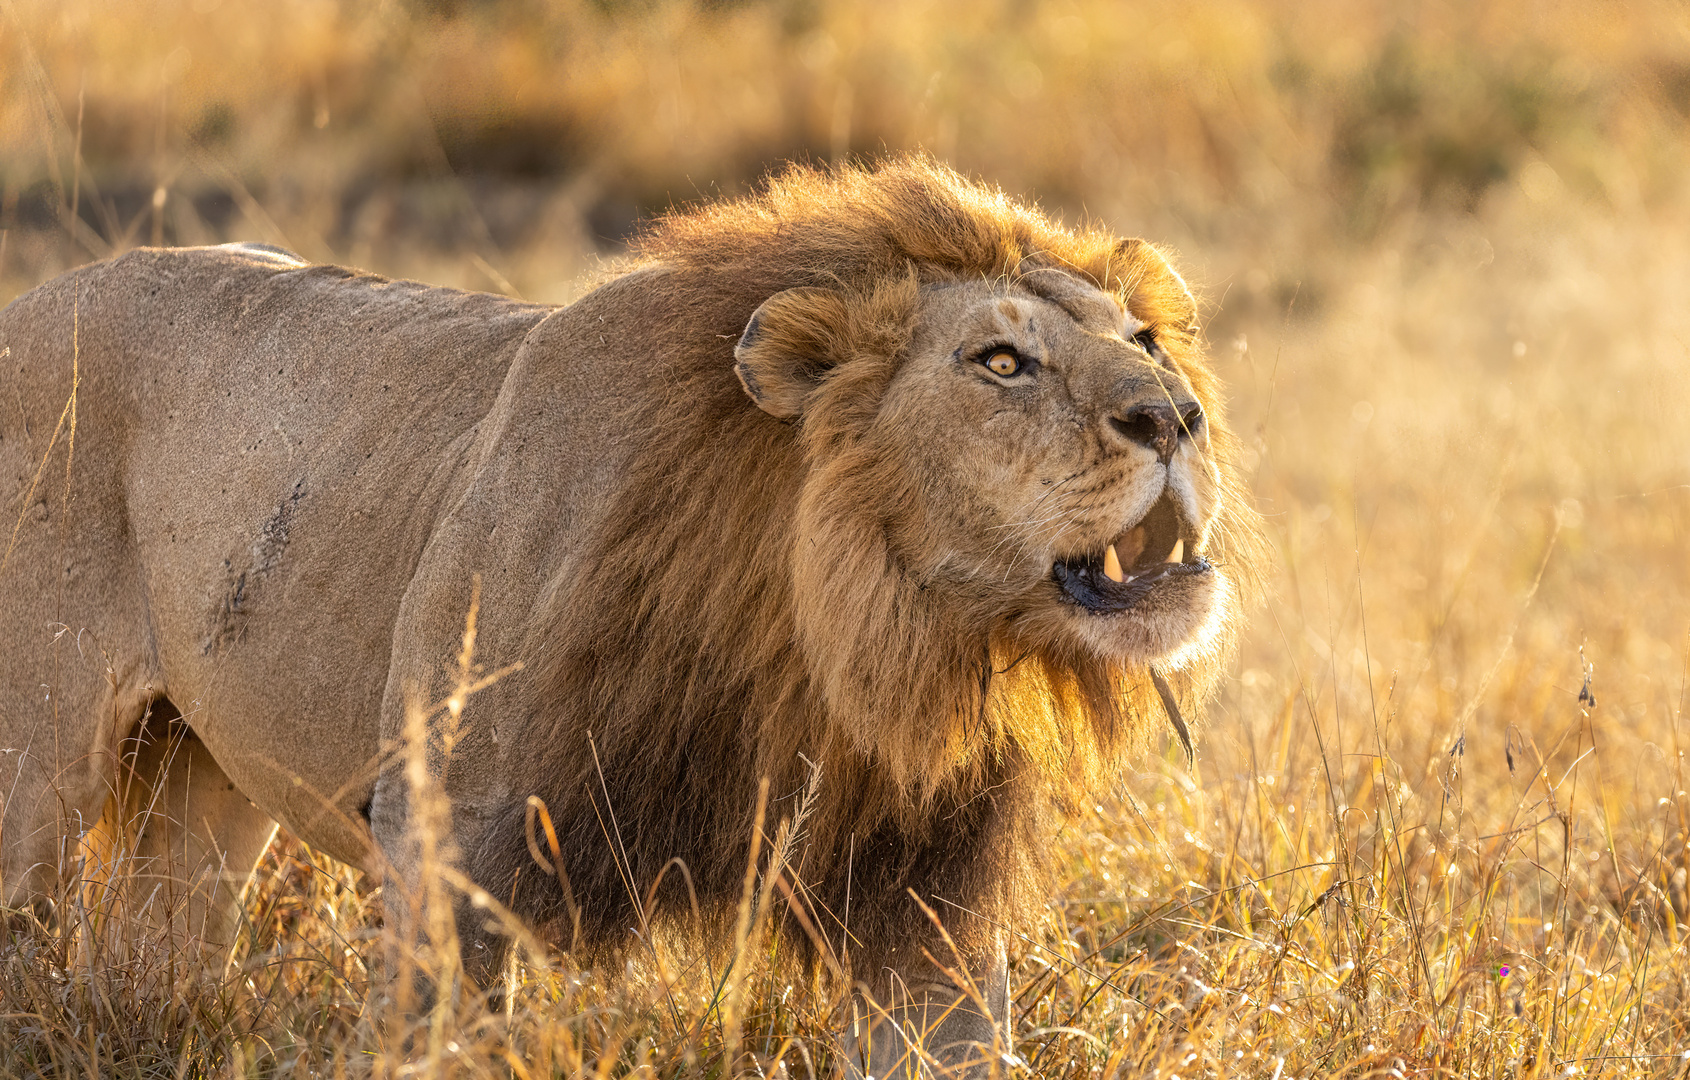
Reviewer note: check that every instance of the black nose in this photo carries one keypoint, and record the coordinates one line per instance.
(1159, 426)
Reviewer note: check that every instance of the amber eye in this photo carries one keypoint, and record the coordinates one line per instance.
(1003, 363)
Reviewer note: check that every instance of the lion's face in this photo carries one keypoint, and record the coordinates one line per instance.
(1043, 461)
(1064, 463)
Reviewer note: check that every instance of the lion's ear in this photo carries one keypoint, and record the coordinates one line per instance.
(789, 344)
(1155, 292)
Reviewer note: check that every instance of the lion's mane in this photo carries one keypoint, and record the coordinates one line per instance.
(742, 612)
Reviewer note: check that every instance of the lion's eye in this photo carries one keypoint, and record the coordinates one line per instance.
(1003, 363)
(1146, 340)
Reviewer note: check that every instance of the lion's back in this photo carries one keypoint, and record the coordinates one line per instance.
(178, 336)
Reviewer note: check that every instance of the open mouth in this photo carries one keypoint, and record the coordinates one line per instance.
(1129, 568)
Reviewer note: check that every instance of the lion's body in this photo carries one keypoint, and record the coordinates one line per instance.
(285, 480)
(223, 474)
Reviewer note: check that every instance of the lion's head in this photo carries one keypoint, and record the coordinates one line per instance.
(1018, 490)
(1040, 457)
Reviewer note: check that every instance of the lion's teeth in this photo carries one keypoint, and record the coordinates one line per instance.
(1112, 564)
(1178, 554)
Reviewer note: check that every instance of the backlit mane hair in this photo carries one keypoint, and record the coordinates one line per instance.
(856, 229)
(744, 609)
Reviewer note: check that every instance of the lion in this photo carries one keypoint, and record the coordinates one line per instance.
(877, 471)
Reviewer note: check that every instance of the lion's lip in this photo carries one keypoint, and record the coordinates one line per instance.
(1088, 587)
(1158, 547)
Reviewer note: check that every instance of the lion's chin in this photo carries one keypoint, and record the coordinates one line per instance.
(1154, 617)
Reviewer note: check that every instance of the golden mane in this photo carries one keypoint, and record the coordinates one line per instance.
(858, 228)
(741, 612)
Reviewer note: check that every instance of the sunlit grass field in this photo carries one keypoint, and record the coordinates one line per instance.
(1437, 821)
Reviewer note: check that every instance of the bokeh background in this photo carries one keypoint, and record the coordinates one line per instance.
(1438, 821)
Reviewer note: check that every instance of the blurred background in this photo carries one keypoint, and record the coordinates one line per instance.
(1444, 251)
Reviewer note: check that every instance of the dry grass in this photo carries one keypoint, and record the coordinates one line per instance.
(1438, 822)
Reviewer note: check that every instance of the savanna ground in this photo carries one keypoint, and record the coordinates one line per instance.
(1437, 822)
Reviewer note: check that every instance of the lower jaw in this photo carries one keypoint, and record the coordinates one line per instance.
(1088, 589)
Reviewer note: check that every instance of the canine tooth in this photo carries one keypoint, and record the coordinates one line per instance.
(1178, 554)
(1112, 564)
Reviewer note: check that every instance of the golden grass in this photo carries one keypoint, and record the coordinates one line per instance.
(1446, 260)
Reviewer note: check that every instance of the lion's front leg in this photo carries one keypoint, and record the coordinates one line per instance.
(909, 1026)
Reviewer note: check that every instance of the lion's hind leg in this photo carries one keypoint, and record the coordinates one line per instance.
(175, 850)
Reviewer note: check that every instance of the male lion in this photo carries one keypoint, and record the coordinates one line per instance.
(878, 469)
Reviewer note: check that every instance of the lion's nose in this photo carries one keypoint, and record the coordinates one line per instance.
(1160, 426)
